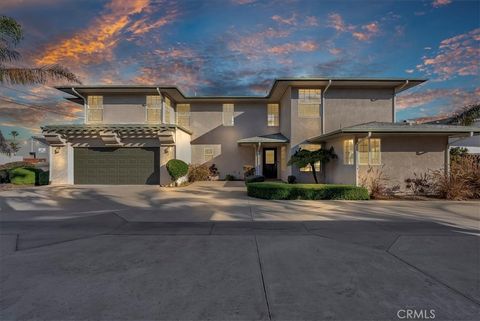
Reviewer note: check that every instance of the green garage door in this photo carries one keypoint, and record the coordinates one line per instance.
(115, 166)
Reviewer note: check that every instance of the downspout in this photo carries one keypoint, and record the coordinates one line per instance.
(84, 105)
(257, 156)
(323, 105)
(395, 90)
(356, 158)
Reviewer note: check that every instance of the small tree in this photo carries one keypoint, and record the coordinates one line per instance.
(304, 157)
(14, 146)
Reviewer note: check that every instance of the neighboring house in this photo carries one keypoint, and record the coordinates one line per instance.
(130, 132)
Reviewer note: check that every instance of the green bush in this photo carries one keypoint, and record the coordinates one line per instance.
(282, 191)
(254, 179)
(4, 176)
(28, 176)
(229, 177)
(177, 168)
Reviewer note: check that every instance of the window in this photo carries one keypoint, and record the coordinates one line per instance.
(207, 154)
(273, 115)
(95, 108)
(168, 107)
(310, 147)
(154, 107)
(228, 115)
(348, 153)
(369, 152)
(183, 115)
(269, 157)
(309, 103)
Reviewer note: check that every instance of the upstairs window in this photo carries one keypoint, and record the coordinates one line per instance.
(95, 109)
(154, 107)
(310, 147)
(273, 115)
(168, 107)
(183, 115)
(309, 101)
(348, 152)
(228, 114)
(369, 152)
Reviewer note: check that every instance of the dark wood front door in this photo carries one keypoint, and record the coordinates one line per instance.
(270, 162)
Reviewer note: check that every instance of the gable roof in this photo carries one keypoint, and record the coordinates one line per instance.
(398, 128)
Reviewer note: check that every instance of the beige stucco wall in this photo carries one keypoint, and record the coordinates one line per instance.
(183, 151)
(285, 129)
(351, 106)
(61, 165)
(124, 109)
(402, 156)
(207, 127)
(336, 172)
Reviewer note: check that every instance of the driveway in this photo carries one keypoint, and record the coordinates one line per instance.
(209, 252)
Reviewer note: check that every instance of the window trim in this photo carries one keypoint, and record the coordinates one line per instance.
(98, 107)
(151, 106)
(184, 114)
(308, 100)
(350, 158)
(369, 153)
(226, 113)
(275, 116)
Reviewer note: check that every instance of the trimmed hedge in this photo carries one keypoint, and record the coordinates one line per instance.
(24, 176)
(254, 179)
(177, 168)
(282, 191)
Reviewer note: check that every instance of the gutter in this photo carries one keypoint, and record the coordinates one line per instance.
(395, 90)
(356, 158)
(323, 105)
(84, 105)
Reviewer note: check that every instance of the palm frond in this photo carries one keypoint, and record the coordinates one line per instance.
(30, 76)
(10, 30)
(7, 54)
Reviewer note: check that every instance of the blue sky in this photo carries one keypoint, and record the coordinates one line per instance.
(240, 46)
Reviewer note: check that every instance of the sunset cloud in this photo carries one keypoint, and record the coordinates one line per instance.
(361, 33)
(440, 3)
(452, 98)
(287, 48)
(97, 41)
(292, 21)
(456, 56)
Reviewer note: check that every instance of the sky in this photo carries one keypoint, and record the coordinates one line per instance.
(238, 47)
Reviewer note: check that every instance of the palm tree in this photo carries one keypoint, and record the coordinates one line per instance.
(11, 34)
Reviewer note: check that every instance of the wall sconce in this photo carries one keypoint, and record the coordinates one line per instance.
(56, 150)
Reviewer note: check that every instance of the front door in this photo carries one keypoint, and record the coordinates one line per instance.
(270, 162)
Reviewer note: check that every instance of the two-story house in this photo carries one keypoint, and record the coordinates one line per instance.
(130, 132)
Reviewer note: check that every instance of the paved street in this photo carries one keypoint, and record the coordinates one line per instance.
(67, 253)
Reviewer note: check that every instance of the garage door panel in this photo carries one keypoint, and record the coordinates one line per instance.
(116, 166)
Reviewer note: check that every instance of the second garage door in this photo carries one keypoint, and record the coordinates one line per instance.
(115, 166)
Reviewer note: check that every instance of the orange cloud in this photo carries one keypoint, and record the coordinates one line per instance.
(362, 33)
(454, 98)
(97, 41)
(288, 21)
(440, 3)
(305, 46)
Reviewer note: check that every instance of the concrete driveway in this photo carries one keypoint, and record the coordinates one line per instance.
(209, 252)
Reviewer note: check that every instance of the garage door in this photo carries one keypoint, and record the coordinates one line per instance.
(116, 166)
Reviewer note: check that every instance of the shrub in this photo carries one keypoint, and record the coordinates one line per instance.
(375, 181)
(282, 191)
(420, 184)
(4, 176)
(198, 173)
(463, 181)
(213, 171)
(291, 179)
(22, 176)
(248, 171)
(254, 179)
(177, 168)
(229, 177)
